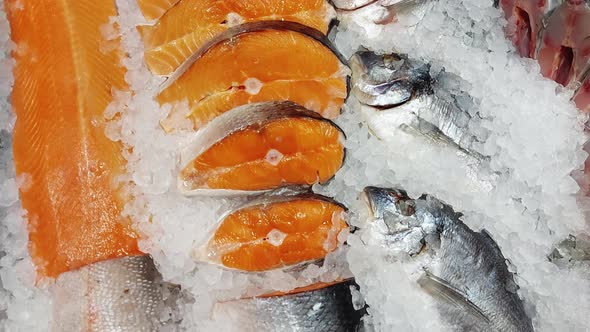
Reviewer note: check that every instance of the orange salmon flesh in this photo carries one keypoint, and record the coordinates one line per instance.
(62, 86)
(154, 9)
(185, 27)
(280, 234)
(288, 151)
(244, 70)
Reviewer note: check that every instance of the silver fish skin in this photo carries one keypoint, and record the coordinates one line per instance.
(121, 294)
(464, 271)
(328, 309)
(405, 90)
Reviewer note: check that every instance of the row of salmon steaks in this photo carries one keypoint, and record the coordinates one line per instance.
(218, 68)
(262, 121)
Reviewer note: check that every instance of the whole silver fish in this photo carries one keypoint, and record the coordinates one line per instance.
(401, 100)
(328, 309)
(122, 294)
(465, 272)
(404, 89)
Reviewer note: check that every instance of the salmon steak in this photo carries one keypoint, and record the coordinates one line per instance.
(189, 24)
(278, 232)
(259, 147)
(235, 72)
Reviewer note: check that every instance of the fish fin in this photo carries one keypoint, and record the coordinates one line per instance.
(426, 129)
(441, 289)
(438, 120)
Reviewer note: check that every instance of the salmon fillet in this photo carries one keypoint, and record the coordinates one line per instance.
(62, 86)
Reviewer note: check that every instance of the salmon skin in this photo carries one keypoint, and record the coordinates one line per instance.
(63, 83)
(328, 309)
(189, 24)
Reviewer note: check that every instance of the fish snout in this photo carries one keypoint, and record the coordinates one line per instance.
(390, 204)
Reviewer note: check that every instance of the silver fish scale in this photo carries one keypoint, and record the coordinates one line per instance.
(473, 263)
(328, 309)
(121, 294)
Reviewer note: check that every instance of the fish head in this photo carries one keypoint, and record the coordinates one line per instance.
(412, 225)
(392, 207)
(388, 204)
(389, 80)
